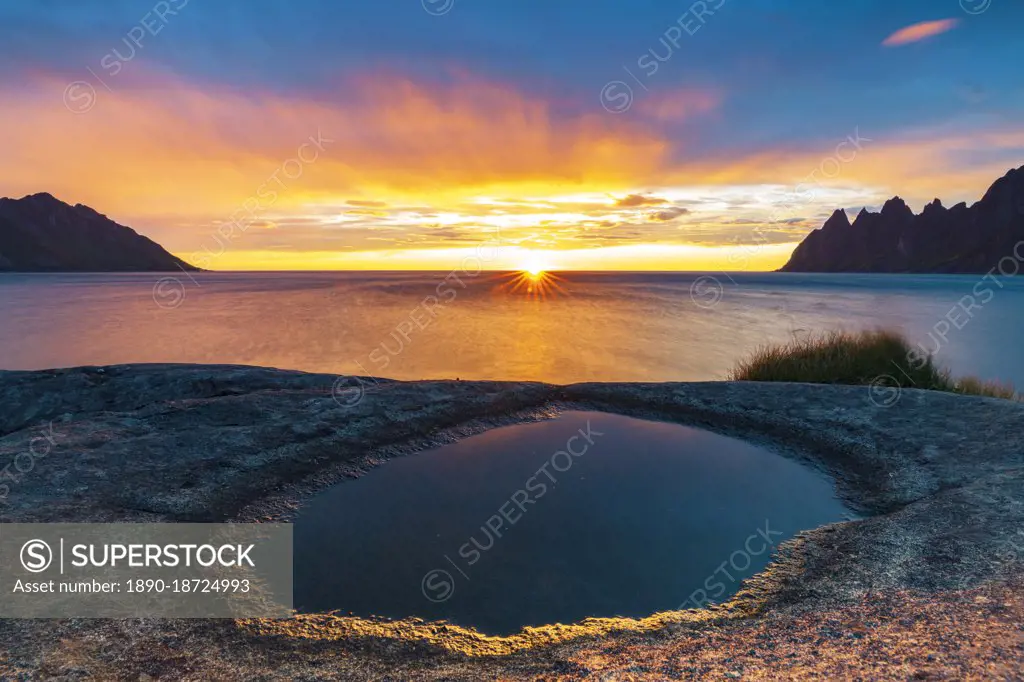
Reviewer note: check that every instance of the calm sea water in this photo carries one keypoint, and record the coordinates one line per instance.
(607, 327)
(507, 528)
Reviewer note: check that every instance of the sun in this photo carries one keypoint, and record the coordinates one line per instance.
(534, 267)
(534, 280)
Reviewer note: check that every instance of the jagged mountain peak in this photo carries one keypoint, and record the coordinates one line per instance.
(961, 239)
(837, 219)
(896, 207)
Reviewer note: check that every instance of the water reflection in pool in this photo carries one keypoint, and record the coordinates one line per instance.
(589, 514)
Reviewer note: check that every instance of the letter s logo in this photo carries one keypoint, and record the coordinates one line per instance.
(36, 556)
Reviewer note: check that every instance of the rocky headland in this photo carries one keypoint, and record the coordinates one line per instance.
(961, 239)
(40, 233)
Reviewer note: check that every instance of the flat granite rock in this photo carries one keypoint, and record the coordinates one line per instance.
(938, 478)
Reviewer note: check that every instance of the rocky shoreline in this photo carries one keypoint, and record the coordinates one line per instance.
(939, 479)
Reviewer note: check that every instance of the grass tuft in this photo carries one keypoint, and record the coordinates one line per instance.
(867, 357)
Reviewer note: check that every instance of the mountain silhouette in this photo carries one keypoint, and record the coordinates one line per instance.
(961, 239)
(40, 233)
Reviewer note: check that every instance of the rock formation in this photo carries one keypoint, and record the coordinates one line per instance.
(960, 239)
(40, 233)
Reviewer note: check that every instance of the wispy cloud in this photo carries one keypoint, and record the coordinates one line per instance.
(634, 200)
(680, 105)
(916, 32)
(669, 214)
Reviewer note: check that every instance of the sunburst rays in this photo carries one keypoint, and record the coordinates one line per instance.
(533, 283)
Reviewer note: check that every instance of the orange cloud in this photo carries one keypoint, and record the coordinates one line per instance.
(634, 200)
(925, 29)
(170, 144)
(923, 163)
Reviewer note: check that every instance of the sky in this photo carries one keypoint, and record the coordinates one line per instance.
(525, 134)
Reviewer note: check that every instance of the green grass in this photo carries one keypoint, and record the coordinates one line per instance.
(869, 357)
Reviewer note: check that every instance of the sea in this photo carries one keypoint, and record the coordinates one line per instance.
(556, 327)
